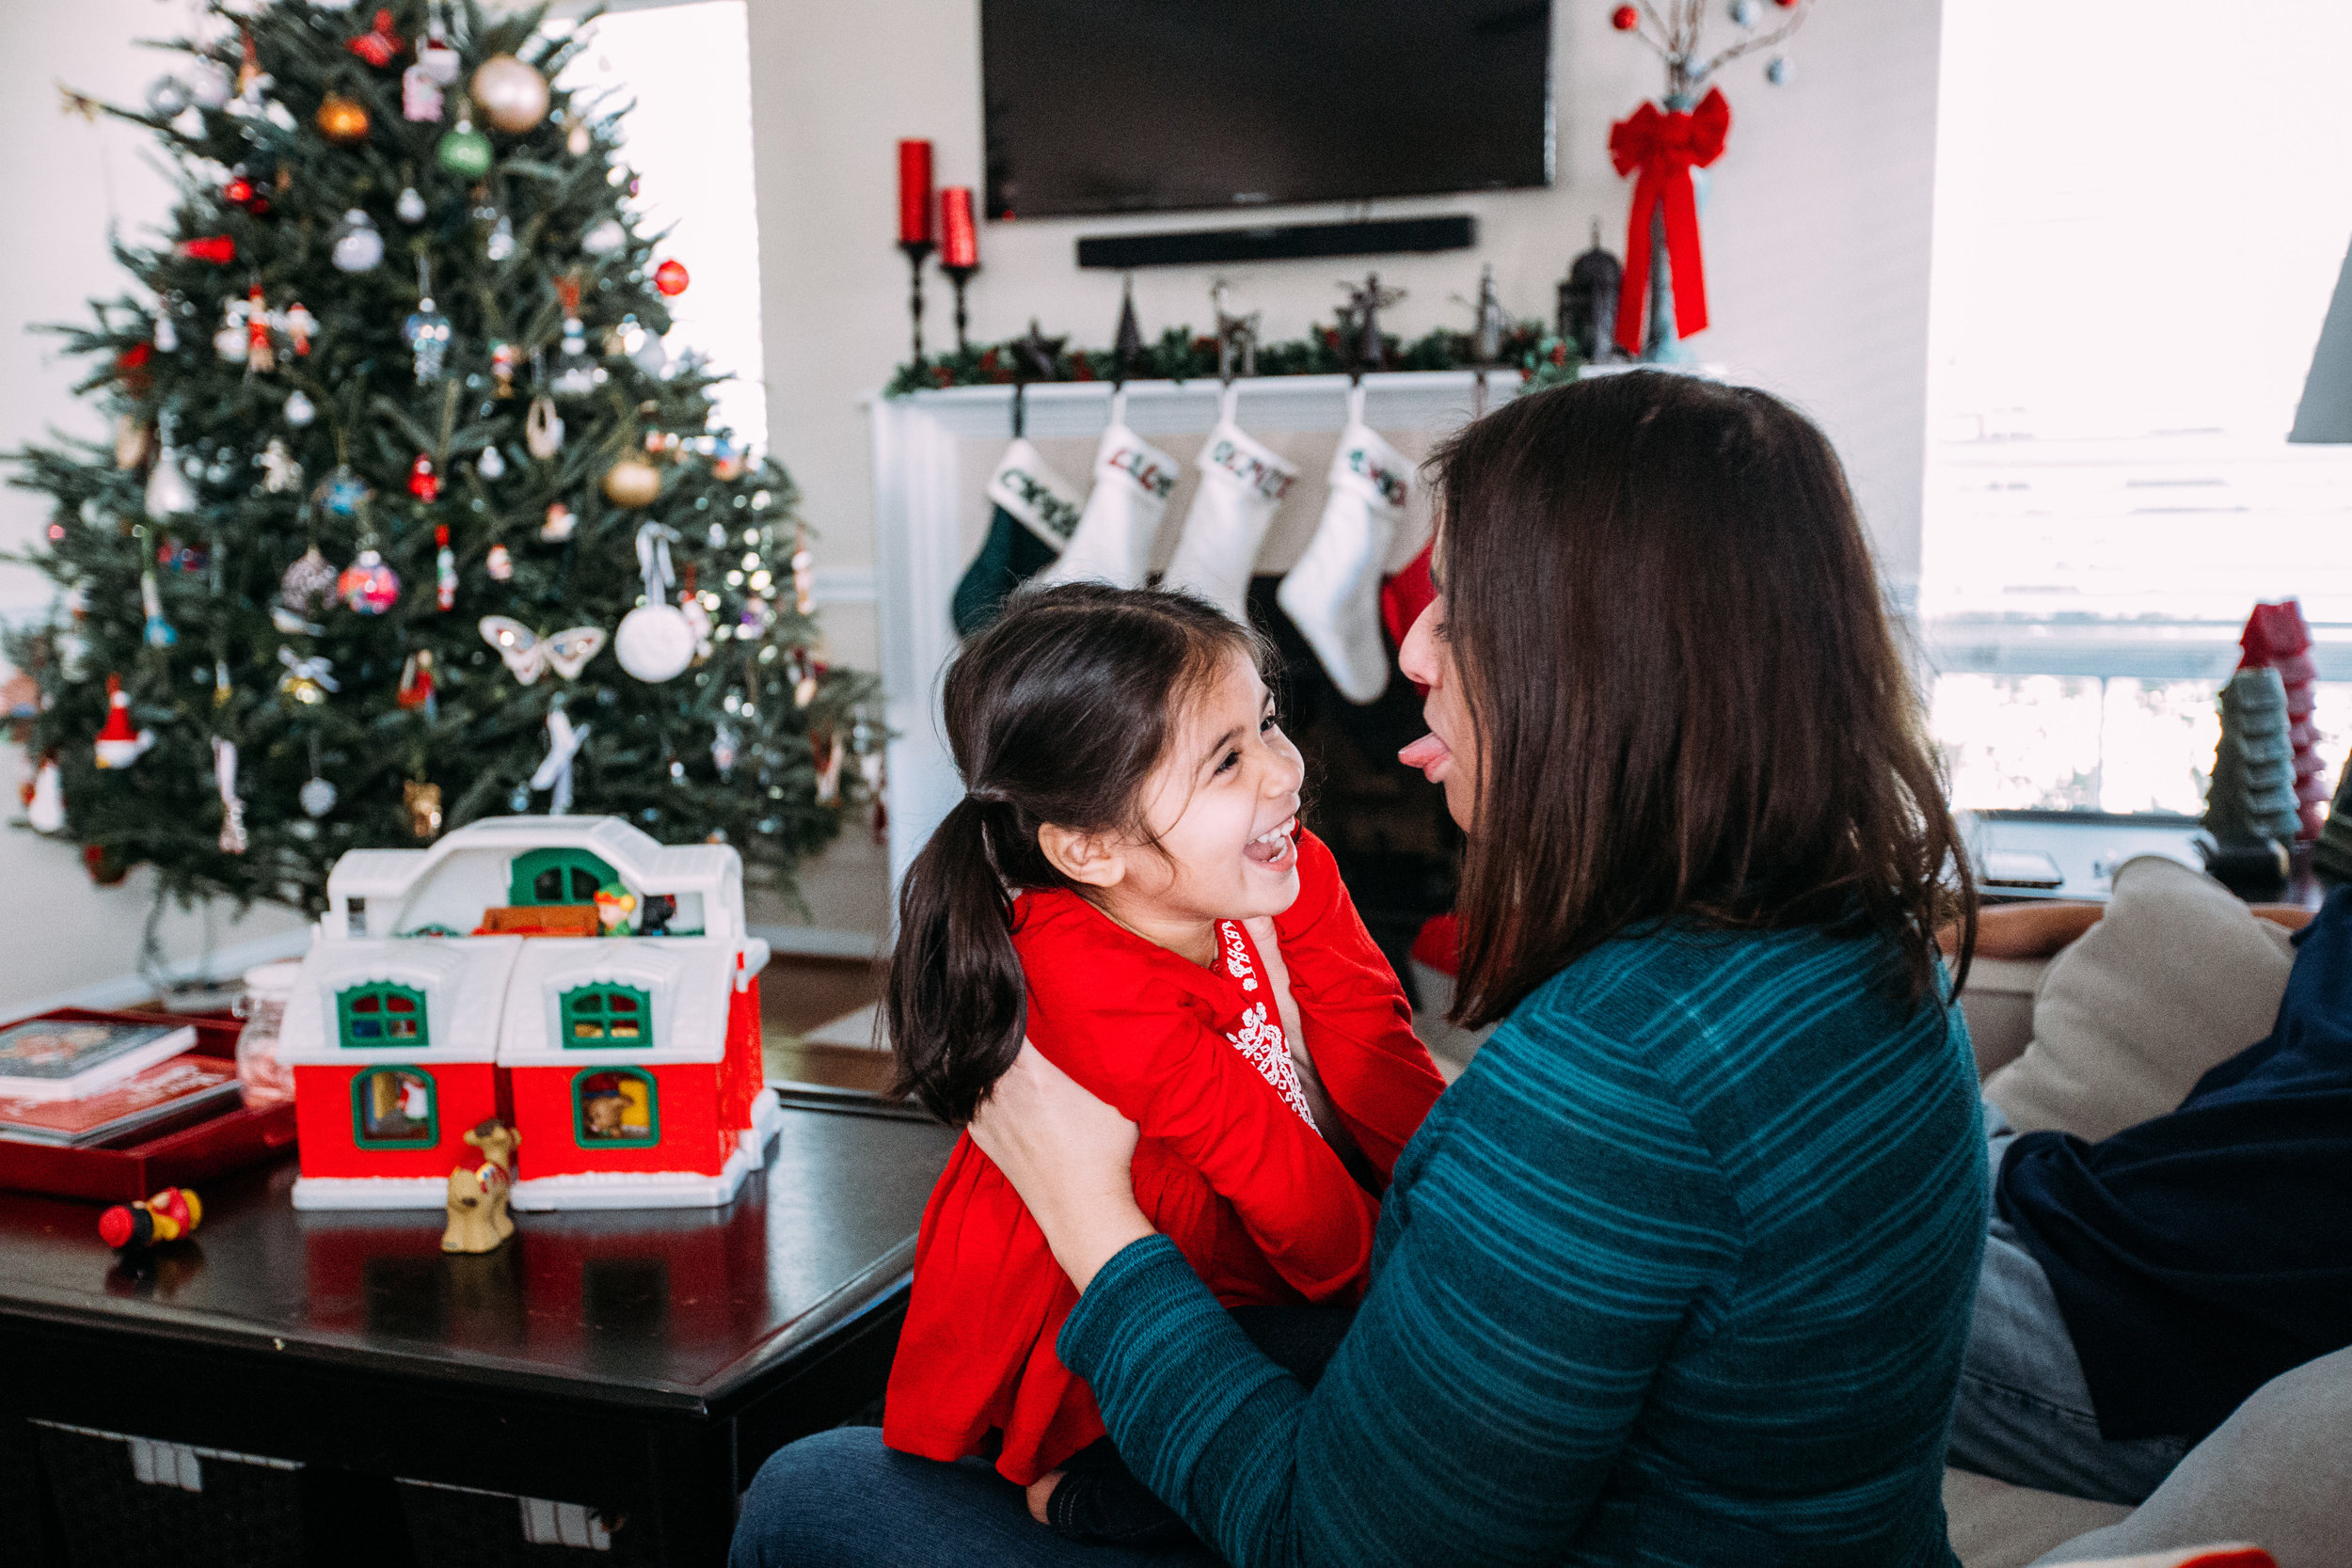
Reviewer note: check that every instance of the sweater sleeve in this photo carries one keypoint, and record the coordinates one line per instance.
(1181, 1081)
(1542, 1252)
(1358, 1025)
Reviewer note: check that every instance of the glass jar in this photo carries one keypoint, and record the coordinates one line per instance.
(263, 1079)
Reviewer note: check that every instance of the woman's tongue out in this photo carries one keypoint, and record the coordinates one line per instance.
(1429, 754)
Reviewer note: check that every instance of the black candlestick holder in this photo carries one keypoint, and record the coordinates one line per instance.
(915, 251)
(960, 277)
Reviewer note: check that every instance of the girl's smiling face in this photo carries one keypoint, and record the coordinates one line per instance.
(1222, 805)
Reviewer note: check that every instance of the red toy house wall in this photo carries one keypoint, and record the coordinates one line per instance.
(466, 1095)
(688, 1102)
(744, 1072)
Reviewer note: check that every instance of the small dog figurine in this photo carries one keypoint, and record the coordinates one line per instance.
(478, 1221)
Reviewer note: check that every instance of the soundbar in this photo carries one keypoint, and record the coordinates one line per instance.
(1285, 242)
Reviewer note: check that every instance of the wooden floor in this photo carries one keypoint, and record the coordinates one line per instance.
(796, 994)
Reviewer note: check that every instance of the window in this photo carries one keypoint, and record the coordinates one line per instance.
(396, 1107)
(2124, 310)
(544, 877)
(381, 1014)
(607, 1015)
(616, 1108)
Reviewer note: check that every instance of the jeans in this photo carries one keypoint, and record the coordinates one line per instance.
(839, 1499)
(2025, 1414)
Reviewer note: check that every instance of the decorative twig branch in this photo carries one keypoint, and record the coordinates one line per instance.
(1762, 40)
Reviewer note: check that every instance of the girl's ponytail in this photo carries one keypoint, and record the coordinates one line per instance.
(956, 1001)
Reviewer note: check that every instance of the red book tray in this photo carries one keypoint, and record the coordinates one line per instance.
(180, 1158)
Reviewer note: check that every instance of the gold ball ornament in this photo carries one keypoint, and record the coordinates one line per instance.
(632, 481)
(511, 95)
(342, 119)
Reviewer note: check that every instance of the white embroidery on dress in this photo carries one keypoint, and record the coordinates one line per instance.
(1261, 1042)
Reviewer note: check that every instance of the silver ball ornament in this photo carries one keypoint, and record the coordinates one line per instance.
(167, 96)
(409, 208)
(654, 642)
(300, 410)
(318, 798)
(358, 243)
(511, 95)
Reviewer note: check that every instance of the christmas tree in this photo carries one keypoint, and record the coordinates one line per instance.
(2251, 798)
(406, 522)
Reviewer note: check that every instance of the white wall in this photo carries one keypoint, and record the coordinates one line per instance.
(1815, 235)
(62, 183)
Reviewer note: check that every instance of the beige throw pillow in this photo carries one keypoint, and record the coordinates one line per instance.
(2178, 977)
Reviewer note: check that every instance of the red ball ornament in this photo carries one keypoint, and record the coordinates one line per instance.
(238, 191)
(1786, 4)
(423, 483)
(669, 277)
(1625, 18)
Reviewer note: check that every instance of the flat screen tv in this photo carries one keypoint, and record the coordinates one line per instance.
(1096, 106)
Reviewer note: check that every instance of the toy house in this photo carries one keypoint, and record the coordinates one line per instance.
(571, 976)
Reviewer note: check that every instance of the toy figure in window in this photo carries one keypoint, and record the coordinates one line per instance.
(616, 1106)
(399, 1106)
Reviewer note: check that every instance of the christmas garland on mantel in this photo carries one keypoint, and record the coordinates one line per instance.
(1540, 359)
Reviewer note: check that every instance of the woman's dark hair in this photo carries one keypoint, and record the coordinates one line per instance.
(1056, 714)
(1685, 695)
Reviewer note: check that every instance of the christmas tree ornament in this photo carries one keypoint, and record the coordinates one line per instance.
(223, 687)
(381, 44)
(117, 745)
(369, 585)
(158, 632)
(343, 493)
(308, 681)
(261, 351)
(825, 755)
(422, 802)
(415, 688)
(604, 238)
(444, 569)
(165, 97)
(500, 563)
(632, 481)
(578, 141)
(655, 641)
(231, 809)
(555, 773)
(726, 463)
(1625, 18)
(300, 326)
(1745, 12)
(409, 206)
(542, 428)
(232, 342)
(208, 83)
(166, 334)
(434, 52)
(491, 465)
(512, 96)
(1780, 70)
(240, 192)
(219, 250)
(426, 331)
(341, 119)
(464, 152)
(299, 410)
(132, 441)
(358, 245)
(308, 583)
(278, 115)
(251, 79)
(317, 796)
(626, 338)
(671, 279)
(1333, 594)
(505, 357)
(1133, 480)
(1242, 485)
(133, 371)
(726, 742)
(280, 473)
(425, 481)
(500, 245)
(559, 524)
(529, 655)
(420, 98)
(804, 574)
(169, 493)
(45, 811)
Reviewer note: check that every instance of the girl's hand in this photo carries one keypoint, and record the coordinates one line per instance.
(1069, 1156)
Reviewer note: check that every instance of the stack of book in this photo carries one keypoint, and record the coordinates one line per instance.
(87, 1084)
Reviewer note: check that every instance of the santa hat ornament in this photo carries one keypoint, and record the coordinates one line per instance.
(118, 745)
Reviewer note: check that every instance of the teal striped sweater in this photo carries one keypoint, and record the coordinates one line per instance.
(1680, 1272)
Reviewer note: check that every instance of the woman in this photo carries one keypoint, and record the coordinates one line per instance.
(1679, 1271)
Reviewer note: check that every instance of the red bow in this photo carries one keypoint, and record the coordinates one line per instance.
(1665, 148)
(380, 44)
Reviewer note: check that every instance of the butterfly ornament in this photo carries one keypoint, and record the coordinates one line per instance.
(529, 655)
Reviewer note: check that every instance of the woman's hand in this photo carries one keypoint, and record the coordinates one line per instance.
(1069, 1156)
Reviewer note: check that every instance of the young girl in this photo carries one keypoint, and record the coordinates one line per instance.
(1126, 884)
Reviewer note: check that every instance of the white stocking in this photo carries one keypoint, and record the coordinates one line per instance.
(1132, 482)
(1333, 594)
(1242, 485)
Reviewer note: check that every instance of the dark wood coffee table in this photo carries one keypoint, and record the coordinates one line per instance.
(640, 1363)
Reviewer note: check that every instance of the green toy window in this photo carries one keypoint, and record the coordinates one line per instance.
(616, 1108)
(607, 1015)
(562, 876)
(374, 1016)
(396, 1107)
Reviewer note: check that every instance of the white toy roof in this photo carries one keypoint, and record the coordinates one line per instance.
(687, 981)
(464, 981)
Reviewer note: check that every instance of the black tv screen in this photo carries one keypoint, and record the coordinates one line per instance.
(1098, 106)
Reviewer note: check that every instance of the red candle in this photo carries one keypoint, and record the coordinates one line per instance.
(959, 242)
(914, 192)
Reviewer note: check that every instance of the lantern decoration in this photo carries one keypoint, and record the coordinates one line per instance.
(512, 96)
(117, 745)
(671, 279)
(368, 585)
(341, 119)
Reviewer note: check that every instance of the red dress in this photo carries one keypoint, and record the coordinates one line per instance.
(1228, 1166)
